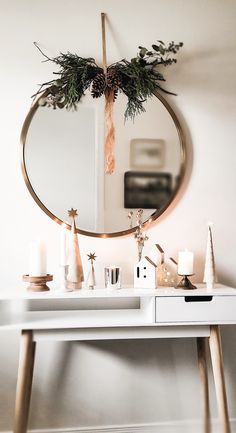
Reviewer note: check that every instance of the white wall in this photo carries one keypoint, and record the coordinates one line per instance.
(116, 383)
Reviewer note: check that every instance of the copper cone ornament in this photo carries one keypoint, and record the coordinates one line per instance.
(209, 272)
(75, 274)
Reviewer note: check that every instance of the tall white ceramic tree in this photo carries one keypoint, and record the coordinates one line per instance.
(75, 274)
(209, 271)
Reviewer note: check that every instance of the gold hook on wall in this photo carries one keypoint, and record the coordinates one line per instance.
(104, 50)
(109, 103)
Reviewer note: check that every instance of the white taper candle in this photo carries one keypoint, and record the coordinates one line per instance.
(63, 245)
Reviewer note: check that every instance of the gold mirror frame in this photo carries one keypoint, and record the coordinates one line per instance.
(146, 223)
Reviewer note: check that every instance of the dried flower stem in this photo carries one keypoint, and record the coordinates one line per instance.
(139, 235)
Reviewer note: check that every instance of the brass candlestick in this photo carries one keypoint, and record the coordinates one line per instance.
(38, 284)
(185, 283)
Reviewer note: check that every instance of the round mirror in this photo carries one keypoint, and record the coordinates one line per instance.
(63, 163)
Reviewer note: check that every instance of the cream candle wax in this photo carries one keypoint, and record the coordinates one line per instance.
(37, 259)
(63, 246)
(185, 262)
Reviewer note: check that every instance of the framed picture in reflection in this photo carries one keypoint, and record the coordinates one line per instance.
(146, 153)
(146, 190)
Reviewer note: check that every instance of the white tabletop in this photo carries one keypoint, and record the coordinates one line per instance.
(125, 292)
(101, 308)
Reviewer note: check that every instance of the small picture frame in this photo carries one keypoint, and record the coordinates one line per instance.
(147, 153)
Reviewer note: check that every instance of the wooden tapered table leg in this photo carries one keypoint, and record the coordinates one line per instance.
(24, 382)
(219, 379)
(202, 366)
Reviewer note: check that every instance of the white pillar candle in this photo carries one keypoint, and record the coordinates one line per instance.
(37, 259)
(185, 263)
(63, 245)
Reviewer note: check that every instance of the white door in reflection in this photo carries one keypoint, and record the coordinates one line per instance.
(64, 165)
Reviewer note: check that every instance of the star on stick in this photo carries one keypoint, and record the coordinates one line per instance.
(91, 257)
(72, 213)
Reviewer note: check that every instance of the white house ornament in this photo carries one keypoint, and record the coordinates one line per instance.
(145, 274)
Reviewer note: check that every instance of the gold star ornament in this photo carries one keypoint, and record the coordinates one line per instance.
(91, 257)
(72, 213)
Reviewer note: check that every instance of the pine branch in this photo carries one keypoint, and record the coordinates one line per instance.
(138, 79)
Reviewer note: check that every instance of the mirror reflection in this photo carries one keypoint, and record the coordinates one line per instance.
(64, 162)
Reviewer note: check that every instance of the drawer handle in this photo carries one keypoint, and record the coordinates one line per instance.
(198, 298)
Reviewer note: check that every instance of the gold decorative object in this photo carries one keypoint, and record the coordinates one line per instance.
(165, 276)
(38, 284)
(130, 217)
(75, 274)
(91, 281)
(72, 213)
(92, 257)
(139, 235)
(185, 283)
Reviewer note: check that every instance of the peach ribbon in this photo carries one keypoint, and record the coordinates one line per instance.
(110, 133)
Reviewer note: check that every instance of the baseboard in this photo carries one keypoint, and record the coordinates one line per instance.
(162, 427)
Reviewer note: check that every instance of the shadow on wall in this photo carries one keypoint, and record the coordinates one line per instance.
(229, 347)
(209, 76)
(102, 383)
(8, 376)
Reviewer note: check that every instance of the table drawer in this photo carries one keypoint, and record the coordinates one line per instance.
(219, 309)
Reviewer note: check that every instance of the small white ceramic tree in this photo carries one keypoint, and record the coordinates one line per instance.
(91, 280)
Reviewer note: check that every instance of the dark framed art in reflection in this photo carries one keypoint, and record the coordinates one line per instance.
(146, 190)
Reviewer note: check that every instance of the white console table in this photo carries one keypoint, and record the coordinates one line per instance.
(123, 314)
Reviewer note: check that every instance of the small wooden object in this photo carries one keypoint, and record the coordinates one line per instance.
(38, 284)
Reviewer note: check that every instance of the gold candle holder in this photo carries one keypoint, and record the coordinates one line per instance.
(185, 283)
(38, 284)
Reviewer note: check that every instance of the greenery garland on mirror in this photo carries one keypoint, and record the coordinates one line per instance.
(138, 79)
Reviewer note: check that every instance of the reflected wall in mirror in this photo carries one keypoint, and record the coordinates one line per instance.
(63, 163)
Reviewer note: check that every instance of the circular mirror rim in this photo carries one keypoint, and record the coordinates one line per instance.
(146, 223)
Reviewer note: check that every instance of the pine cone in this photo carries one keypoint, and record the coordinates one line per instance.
(113, 79)
(98, 85)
